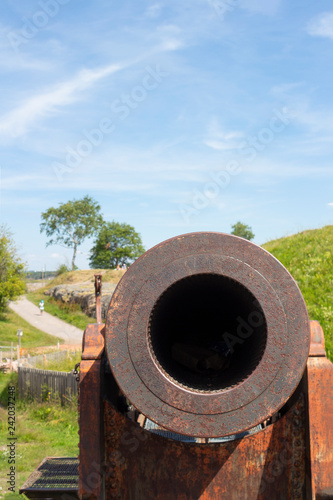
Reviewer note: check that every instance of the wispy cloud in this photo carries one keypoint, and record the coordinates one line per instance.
(17, 122)
(153, 11)
(221, 140)
(262, 6)
(322, 25)
(55, 255)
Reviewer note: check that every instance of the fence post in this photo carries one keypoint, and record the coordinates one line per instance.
(11, 356)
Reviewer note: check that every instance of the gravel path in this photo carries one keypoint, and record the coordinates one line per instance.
(46, 322)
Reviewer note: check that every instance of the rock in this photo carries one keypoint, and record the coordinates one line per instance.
(84, 295)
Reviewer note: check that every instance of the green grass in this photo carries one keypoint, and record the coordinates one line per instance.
(32, 337)
(308, 256)
(42, 429)
(65, 365)
(71, 313)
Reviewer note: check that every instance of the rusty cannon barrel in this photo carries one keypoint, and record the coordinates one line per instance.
(207, 335)
(207, 381)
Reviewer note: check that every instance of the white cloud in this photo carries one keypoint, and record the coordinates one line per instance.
(284, 89)
(262, 6)
(322, 25)
(330, 204)
(17, 122)
(153, 11)
(218, 139)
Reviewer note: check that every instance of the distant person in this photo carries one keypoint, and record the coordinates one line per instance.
(41, 306)
(118, 267)
(124, 268)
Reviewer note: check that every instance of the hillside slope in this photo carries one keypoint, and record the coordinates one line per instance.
(85, 276)
(308, 256)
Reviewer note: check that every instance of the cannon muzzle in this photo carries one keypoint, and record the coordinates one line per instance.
(207, 334)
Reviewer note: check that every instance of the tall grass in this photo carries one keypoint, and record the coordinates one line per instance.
(64, 365)
(42, 429)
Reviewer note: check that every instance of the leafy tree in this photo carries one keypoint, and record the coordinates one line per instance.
(71, 223)
(116, 244)
(242, 230)
(12, 283)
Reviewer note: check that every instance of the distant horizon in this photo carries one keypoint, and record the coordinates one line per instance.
(91, 268)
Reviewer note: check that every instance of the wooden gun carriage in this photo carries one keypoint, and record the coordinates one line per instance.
(207, 381)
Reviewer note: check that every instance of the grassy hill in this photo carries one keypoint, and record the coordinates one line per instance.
(308, 256)
(84, 276)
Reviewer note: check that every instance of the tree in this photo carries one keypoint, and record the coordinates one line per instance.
(12, 283)
(71, 223)
(242, 230)
(116, 244)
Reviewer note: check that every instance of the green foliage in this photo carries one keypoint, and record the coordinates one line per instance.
(36, 276)
(308, 256)
(242, 230)
(71, 223)
(71, 313)
(10, 379)
(12, 283)
(62, 269)
(116, 244)
(61, 365)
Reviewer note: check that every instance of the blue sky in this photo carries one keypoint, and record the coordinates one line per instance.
(176, 116)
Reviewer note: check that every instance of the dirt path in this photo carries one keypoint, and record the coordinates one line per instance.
(46, 322)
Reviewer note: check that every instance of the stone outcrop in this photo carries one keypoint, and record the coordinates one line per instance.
(84, 295)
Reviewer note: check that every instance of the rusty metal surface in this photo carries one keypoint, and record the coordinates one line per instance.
(91, 429)
(98, 293)
(320, 410)
(317, 345)
(270, 362)
(269, 465)
(93, 342)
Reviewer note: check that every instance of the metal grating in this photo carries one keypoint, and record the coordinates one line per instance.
(56, 474)
(156, 429)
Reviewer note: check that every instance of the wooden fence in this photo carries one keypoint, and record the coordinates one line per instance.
(35, 383)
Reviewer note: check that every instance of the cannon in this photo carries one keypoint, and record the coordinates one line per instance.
(207, 381)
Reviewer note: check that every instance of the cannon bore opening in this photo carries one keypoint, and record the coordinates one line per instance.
(207, 332)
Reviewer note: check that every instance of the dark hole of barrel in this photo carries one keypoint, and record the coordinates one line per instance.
(207, 332)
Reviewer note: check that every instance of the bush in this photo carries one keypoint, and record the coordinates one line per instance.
(62, 269)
